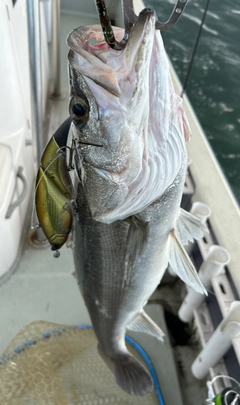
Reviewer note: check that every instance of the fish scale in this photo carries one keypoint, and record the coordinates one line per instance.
(99, 251)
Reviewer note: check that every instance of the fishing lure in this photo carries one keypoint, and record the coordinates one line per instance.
(54, 189)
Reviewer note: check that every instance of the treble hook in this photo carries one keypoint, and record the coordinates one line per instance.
(129, 20)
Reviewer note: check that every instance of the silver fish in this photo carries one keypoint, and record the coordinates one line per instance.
(130, 130)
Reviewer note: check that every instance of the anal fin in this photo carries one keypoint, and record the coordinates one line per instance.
(143, 323)
(182, 265)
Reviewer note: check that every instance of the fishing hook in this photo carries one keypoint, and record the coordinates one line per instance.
(129, 20)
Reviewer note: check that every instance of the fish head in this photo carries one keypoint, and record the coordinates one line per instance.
(125, 116)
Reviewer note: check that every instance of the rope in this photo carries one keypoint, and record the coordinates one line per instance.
(195, 48)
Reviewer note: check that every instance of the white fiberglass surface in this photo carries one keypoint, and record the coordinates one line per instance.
(42, 287)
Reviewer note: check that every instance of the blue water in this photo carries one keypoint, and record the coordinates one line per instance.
(214, 84)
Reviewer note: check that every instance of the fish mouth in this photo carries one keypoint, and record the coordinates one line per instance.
(99, 55)
(144, 18)
(147, 13)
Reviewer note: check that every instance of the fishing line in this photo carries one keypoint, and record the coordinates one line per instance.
(214, 397)
(195, 49)
(227, 377)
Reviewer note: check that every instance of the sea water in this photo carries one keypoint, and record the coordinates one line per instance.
(214, 83)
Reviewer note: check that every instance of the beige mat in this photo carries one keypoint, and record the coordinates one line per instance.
(61, 367)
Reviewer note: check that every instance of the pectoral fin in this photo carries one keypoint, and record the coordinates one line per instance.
(182, 265)
(143, 323)
(189, 227)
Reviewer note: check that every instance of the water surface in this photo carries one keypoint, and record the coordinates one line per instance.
(214, 84)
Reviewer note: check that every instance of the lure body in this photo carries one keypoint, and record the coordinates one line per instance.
(54, 189)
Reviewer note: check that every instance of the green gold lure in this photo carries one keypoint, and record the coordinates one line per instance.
(54, 189)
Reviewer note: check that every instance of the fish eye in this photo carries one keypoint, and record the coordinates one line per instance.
(80, 109)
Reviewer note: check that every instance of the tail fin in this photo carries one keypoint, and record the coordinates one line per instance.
(131, 376)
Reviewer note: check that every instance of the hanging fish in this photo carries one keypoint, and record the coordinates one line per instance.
(131, 133)
(54, 189)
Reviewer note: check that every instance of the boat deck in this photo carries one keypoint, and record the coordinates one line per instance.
(43, 288)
